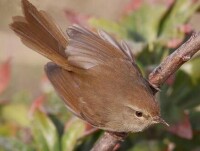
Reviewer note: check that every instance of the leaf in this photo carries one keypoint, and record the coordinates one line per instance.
(73, 131)
(37, 103)
(194, 116)
(186, 28)
(192, 69)
(16, 113)
(183, 128)
(8, 129)
(149, 146)
(142, 24)
(170, 80)
(109, 26)
(132, 6)
(183, 94)
(174, 43)
(5, 71)
(76, 18)
(44, 132)
(10, 144)
(21, 97)
(177, 15)
(55, 106)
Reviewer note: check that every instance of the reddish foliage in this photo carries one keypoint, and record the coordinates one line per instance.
(168, 2)
(89, 130)
(170, 80)
(183, 129)
(5, 72)
(76, 18)
(196, 1)
(132, 6)
(174, 43)
(4, 102)
(136, 4)
(165, 2)
(88, 127)
(117, 146)
(37, 103)
(186, 28)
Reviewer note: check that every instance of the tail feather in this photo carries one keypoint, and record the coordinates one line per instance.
(37, 31)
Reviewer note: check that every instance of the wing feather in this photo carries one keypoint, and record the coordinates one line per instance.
(37, 31)
(97, 48)
(65, 85)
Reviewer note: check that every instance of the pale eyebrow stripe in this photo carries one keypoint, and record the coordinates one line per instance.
(145, 114)
(133, 108)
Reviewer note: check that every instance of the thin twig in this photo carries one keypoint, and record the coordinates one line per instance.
(173, 62)
(108, 141)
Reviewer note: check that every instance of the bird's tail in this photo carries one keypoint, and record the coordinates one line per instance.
(37, 31)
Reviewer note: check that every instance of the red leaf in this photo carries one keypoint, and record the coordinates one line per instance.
(174, 43)
(132, 6)
(185, 28)
(182, 129)
(170, 80)
(88, 127)
(136, 4)
(4, 102)
(168, 2)
(117, 146)
(37, 104)
(5, 72)
(76, 18)
(195, 1)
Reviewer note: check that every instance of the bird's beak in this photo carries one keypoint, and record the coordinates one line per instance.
(158, 119)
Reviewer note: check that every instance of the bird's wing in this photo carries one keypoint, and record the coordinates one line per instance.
(87, 49)
(98, 94)
(65, 85)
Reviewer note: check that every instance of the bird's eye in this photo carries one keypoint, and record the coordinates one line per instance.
(138, 114)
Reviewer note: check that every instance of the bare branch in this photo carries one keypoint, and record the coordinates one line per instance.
(109, 141)
(173, 62)
(170, 65)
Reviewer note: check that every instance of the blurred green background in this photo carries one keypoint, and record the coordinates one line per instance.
(33, 118)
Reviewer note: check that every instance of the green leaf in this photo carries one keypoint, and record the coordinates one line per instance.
(142, 24)
(74, 130)
(7, 129)
(10, 144)
(44, 132)
(182, 95)
(16, 113)
(193, 118)
(192, 69)
(109, 26)
(22, 96)
(148, 146)
(175, 16)
(55, 106)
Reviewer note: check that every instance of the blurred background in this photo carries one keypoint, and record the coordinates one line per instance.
(33, 118)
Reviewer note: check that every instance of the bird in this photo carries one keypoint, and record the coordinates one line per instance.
(95, 75)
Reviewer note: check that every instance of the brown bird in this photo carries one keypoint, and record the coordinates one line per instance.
(94, 74)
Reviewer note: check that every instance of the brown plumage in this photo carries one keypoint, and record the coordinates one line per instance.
(94, 74)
